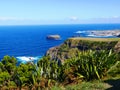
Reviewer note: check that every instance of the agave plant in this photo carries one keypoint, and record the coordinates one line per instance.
(48, 70)
(92, 64)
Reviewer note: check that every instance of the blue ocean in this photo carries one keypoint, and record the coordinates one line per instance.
(26, 42)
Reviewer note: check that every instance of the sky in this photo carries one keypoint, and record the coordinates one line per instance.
(35, 12)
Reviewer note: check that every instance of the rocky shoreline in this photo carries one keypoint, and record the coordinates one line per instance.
(115, 33)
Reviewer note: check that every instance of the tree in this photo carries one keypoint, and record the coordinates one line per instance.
(9, 64)
(25, 74)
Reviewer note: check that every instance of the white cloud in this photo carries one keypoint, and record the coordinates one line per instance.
(116, 17)
(112, 17)
(18, 21)
(14, 19)
(9, 18)
(73, 18)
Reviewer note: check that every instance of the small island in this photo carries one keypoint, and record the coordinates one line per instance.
(53, 37)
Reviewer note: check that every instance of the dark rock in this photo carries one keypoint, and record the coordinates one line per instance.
(53, 37)
(118, 35)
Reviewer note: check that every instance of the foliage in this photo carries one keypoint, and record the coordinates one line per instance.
(91, 64)
(93, 43)
(7, 70)
(25, 73)
(9, 63)
(4, 78)
(87, 65)
(94, 85)
(115, 69)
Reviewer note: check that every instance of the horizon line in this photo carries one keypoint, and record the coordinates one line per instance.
(55, 24)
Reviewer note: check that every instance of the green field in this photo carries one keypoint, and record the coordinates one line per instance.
(96, 39)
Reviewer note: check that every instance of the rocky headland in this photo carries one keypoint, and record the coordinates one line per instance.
(72, 46)
(106, 33)
(53, 37)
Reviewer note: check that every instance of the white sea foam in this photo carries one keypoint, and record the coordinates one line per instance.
(25, 59)
(80, 32)
(91, 35)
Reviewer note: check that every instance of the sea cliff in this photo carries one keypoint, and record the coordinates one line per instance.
(72, 46)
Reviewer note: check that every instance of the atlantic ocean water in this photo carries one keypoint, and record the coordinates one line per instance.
(25, 42)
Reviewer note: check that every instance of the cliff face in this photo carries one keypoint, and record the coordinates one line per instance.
(72, 46)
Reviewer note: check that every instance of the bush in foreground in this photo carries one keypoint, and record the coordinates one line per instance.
(88, 65)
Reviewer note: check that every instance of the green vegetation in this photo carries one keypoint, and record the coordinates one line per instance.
(92, 85)
(71, 47)
(96, 39)
(92, 43)
(76, 73)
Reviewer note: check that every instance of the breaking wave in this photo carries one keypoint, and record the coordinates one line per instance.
(25, 59)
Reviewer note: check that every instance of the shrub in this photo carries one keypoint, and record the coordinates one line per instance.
(91, 64)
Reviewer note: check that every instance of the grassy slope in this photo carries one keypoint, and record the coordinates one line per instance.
(72, 45)
(96, 39)
(93, 85)
(112, 83)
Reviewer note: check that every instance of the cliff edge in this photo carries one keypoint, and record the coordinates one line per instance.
(72, 46)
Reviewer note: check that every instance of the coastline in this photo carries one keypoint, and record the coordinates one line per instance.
(20, 41)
